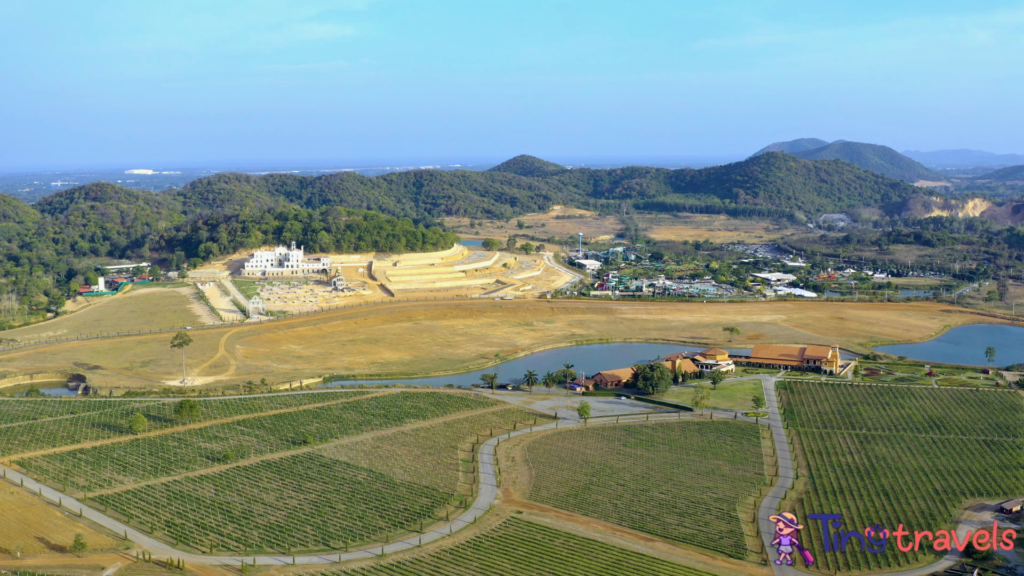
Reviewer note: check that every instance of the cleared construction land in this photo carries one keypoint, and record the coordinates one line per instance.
(458, 335)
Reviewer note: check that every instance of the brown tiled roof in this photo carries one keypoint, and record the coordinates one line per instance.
(817, 352)
(768, 352)
(686, 365)
(613, 375)
(714, 352)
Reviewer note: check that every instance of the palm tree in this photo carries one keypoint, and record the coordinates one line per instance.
(549, 380)
(567, 371)
(491, 380)
(530, 380)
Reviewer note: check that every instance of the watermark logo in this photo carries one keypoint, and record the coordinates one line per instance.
(875, 538)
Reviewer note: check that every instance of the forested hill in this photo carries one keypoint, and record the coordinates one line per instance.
(772, 184)
(874, 158)
(1008, 174)
(48, 248)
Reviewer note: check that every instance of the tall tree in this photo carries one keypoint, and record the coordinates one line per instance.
(530, 380)
(757, 401)
(568, 374)
(701, 397)
(652, 378)
(550, 380)
(187, 410)
(138, 424)
(491, 380)
(732, 330)
(990, 354)
(717, 376)
(182, 340)
(583, 410)
(79, 546)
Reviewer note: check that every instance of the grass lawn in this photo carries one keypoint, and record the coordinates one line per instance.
(728, 396)
(248, 288)
(132, 311)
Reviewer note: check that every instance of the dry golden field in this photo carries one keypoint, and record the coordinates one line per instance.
(39, 527)
(149, 309)
(450, 336)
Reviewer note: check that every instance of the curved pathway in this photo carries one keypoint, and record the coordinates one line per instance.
(486, 495)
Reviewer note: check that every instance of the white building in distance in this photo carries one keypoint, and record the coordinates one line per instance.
(284, 262)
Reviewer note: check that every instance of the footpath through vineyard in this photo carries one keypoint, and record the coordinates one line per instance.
(770, 504)
(485, 496)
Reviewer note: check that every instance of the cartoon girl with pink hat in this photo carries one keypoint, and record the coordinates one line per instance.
(786, 542)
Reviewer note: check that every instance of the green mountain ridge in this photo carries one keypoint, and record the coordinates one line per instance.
(793, 146)
(526, 165)
(874, 158)
(1008, 174)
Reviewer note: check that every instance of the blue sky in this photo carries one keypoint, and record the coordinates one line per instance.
(179, 83)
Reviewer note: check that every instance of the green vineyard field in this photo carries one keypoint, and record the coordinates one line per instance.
(681, 481)
(895, 455)
(517, 548)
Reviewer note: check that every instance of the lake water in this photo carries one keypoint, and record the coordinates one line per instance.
(966, 345)
(21, 389)
(589, 359)
(472, 242)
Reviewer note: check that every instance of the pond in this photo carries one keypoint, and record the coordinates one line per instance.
(589, 359)
(966, 345)
(472, 242)
(20, 390)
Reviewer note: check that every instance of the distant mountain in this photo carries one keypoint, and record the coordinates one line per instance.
(530, 166)
(1009, 174)
(793, 146)
(949, 159)
(873, 158)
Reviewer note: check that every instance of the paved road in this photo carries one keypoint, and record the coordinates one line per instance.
(576, 277)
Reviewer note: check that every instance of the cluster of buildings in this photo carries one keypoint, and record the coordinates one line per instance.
(105, 287)
(613, 283)
(823, 359)
(284, 262)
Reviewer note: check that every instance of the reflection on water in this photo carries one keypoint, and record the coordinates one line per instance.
(588, 359)
(966, 345)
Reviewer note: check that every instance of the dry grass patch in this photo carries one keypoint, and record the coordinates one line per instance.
(40, 527)
(151, 309)
(453, 336)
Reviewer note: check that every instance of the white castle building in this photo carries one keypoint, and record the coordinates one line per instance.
(284, 262)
